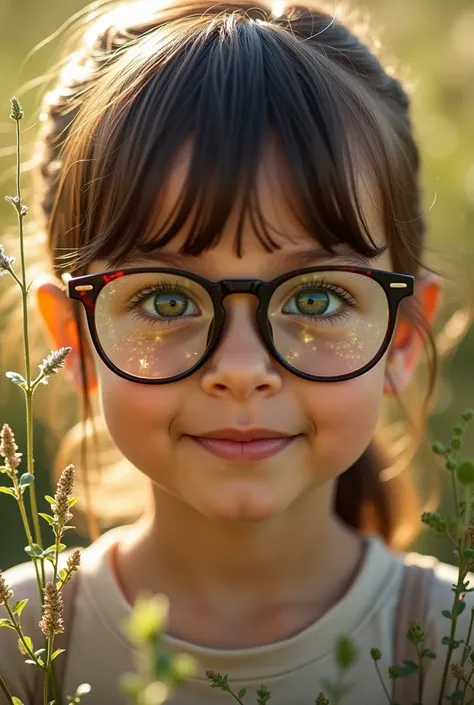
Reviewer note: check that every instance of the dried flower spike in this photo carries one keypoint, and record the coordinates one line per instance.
(74, 561)
(62, 495)
(8, 447)
(458, 672)
(17, 111)
(5, 592)
(54, 361)
(5, 261)
(52, 621)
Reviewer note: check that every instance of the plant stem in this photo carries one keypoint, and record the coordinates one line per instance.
(382, 683)
(19, 632)
(26, 526)
(458, 591)
(48, 667)
(26, 342)
(6, 691)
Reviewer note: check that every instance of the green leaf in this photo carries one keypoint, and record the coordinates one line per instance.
(52, 548)
(65, 528)
(56, 653)
(16, 701)
(411, 664)
(447, 614)
(460, 607)
(6, 623)
(8, 490)
(21, 645)
(242, 693)
(34, 551)
(20, 606)
(62, 574)
(427, 653)
(47, 517)
(27, 479)
(50, 499)
(16, 378)
(39, 651)
(72, 501)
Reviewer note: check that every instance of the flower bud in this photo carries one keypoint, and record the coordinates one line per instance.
(465, 473)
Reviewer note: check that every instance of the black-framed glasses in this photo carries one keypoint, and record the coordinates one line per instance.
(158, 325)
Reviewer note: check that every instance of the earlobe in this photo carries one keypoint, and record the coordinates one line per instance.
(60, 325)
(407, 346)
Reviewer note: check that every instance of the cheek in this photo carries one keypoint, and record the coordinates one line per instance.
(138, 416)
(344, 416)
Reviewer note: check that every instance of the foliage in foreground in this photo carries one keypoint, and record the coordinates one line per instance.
(157, 673)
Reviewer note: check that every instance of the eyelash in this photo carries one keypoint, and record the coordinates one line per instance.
(321, 284)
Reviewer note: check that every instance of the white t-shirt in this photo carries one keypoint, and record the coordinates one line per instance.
(292, 669)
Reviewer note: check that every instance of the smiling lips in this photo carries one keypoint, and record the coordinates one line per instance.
(244, 446)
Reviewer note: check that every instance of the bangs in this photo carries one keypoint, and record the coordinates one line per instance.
(226, 85)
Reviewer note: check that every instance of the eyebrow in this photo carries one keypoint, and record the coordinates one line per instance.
(302, 258)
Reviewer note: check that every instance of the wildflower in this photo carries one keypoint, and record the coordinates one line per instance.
(458, 672)
(74, 561)
(8, 447)
(375, 654)
(17, 111)
(5, 592)
(321, 700)
(5, 261)
(62, 495)
(415, 634)
(52, 621)
(394, 672)
(19, 206)
(54, 362)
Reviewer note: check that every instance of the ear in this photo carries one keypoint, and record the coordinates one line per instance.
(407, 345)
(56, 310)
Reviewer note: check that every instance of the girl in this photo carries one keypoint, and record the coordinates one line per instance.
(232, 210)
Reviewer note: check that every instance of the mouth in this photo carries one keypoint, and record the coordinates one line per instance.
(244, 446)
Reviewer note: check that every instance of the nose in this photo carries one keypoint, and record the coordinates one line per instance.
(241, 367)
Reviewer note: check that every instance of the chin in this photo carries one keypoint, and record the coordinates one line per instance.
(244, 505)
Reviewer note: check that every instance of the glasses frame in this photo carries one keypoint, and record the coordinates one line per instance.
(87, 288)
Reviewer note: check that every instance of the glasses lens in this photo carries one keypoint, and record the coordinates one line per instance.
(153, 325)
(330, 323)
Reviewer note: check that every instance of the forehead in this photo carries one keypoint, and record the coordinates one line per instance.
(278, 205)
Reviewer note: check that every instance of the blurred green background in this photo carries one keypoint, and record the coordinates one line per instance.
(431, 38)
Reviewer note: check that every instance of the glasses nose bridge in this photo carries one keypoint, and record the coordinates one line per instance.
(240, 286)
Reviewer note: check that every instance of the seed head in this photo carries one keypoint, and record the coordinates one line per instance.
(458, 672)
(375, 654)
(54, 361)
(415, 633)
(5, 592)
(63, 492)
(5, 261)
(321, 700)
(8, 447)
(17, 111)
(74, 561)
(393, 672)
(52, 621)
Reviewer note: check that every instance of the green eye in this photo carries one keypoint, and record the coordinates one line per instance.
(170, 305)
(312, 302)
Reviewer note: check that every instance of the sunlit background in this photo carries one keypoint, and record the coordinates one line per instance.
(434, 41)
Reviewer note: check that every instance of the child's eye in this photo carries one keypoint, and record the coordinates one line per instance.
(170, 305)
(315, 301)
(162, 303)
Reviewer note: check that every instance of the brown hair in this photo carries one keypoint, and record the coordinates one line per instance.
(226, 75)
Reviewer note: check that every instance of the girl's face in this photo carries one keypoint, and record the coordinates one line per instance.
(241, 387)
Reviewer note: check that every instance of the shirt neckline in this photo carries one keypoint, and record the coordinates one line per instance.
(378, 574)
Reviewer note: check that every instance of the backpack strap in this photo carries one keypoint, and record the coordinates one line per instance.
(61, 641)
(413, 603)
